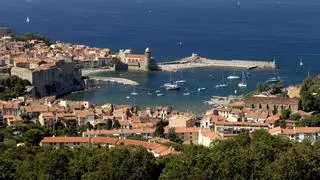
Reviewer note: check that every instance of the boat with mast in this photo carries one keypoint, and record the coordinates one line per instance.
(223, 82)
(182, 80)
(301, 63)
(276, 77)
(243, 82)
(134, 93)
(233, 76)
(171, 85)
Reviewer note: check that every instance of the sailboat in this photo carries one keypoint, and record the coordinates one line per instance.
(234, 76)
(181, 79)
(301, 63)
(158, 91)
(276, 77)
(28, 20)
(223, 83)
(243, 82)
(134, 93)
(149, 93)
(171, 86)
(201, 89)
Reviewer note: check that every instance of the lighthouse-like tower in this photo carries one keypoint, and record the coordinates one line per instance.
(147, 59)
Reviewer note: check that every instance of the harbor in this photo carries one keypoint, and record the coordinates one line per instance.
(195, 61)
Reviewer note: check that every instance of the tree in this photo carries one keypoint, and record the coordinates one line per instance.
(172, 136)
(116, 124)
(109, 124)
(33, 136)
(159, 131)
(295, 117)
(285, 113)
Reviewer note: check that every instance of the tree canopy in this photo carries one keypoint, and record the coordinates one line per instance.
(247, 156)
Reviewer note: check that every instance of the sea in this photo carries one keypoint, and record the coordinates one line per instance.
(173, 29)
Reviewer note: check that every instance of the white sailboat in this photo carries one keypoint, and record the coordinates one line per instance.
(276, 77)
(301, 63)
(28, 20)
(233, 76)
(149, 93)
(201, 89)
(159, 94)
(171, 86)
(181, 78)
(128, 97)
(158, 91)
(223, 83)
(243, 82)
(134, 93)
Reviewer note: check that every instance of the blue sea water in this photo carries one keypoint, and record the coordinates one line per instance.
(255, 29)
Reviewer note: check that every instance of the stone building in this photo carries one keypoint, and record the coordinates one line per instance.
(55, 78)
(269, 104)
(142, 62)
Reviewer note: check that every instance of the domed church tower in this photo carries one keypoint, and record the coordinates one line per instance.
(147, 59)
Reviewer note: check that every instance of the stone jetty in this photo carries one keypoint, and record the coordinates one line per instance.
(195, 61)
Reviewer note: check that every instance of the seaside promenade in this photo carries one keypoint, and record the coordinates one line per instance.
(195, 61)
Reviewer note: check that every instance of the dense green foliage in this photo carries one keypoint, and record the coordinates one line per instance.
(159, 131)
(310, 94)
(248, 156)
(12, 87)
(33, 36)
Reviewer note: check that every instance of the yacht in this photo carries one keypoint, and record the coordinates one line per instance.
(233, 76)
(243, 82)
(149, 93)
(128, 97)
(158, 91)
(134, 93)
(301, 63)
(159, 94)
(28, 20)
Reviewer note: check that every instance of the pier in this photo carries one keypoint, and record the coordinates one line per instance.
(102, 80)
(195, 61)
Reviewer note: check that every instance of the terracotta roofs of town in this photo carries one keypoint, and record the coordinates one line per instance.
(272, 119)
(272, 100)
(257, 115)
(47, 114)
(184, 130)
(104, 140)
(300, 130)
(242, 124)
(85, 113)
(135, 56)
(212, 135)
(65, 139)
(142, 125)
(155, 147)
(119, 131)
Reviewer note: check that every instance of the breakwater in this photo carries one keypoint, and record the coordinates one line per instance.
(196, 61)
(96, 81)
(89, 71)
